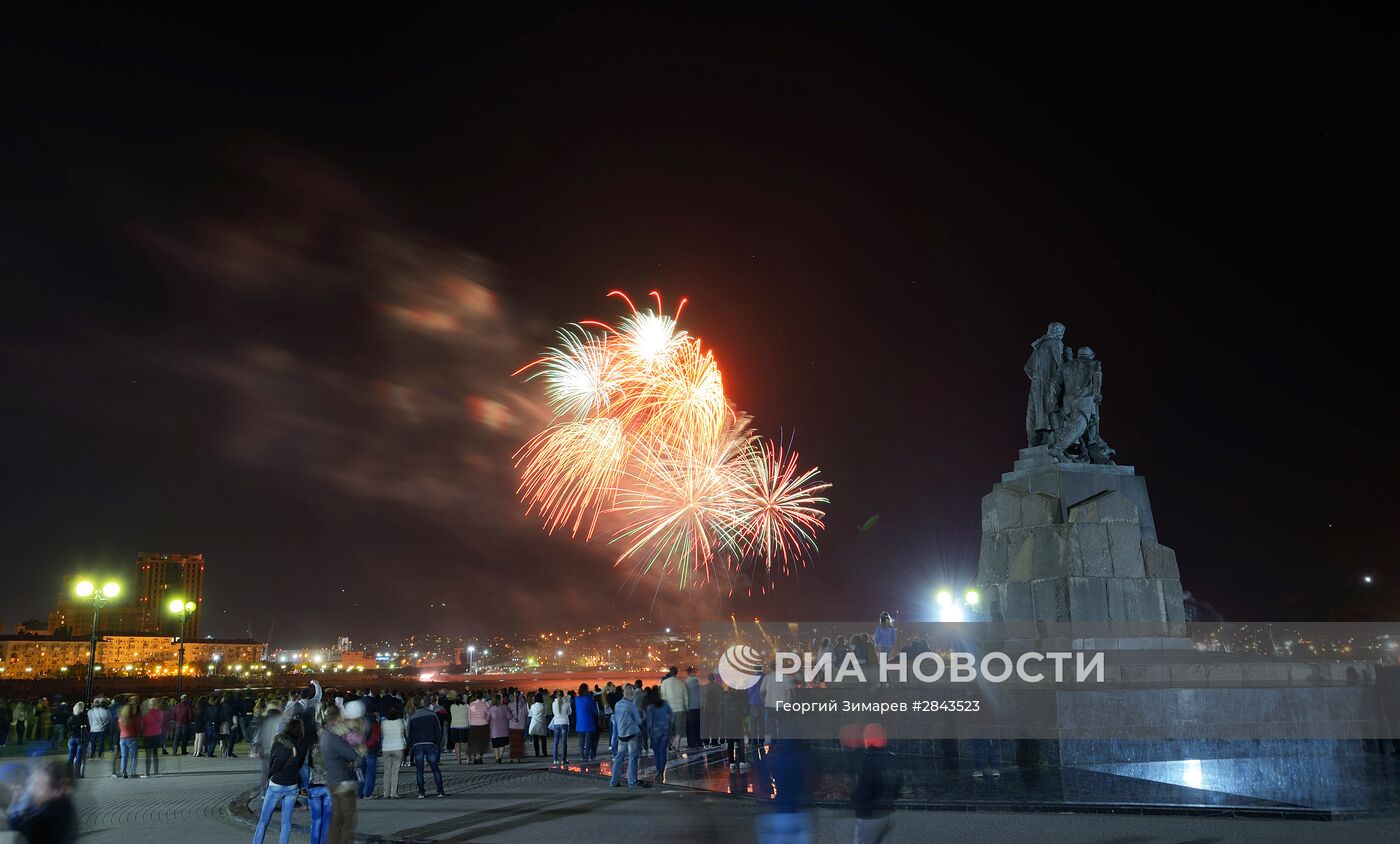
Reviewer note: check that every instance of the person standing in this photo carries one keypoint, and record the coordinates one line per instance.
(23, 714)
(673, 691)
(733, 705)
(340, 758)
(709, 718)
(884, 634)
(660, 721)
(153, 733)
(130, 727)
(183, 715)
(585, 721)
(627, 727)
(498, 721)
(539, 724)
(58, 720)
(559, 725)
(229, 709)
(478, 728)
(114, 722)
(374, 742)
(695, 703)
(393, 740)
(425, 740)
(519, 715)
(211, 725)
(255, 732)
(98, 715)
(458, 726)
(286, 754)
(756, 710)
(4, 722)
(318, 793)
(77, 731)
(876, 789)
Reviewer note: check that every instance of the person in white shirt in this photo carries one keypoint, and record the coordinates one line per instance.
(560, 726)
(98, 718)
(458, 726)
(393, 733)
(539, 726)
(673, 691)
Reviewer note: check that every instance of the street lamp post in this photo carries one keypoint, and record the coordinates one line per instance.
(99, 597)
(182, 609)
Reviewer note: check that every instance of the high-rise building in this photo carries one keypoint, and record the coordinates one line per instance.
(142, 607)
(161, 577)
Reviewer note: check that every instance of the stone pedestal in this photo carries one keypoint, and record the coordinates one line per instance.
(1070, 542)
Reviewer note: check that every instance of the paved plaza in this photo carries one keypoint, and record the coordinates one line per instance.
(212, 800)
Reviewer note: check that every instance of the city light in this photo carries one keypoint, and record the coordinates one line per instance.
(971, 598)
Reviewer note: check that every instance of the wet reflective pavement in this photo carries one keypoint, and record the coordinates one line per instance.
(1312, 786)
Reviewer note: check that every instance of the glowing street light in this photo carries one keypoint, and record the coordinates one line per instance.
(183, 609)
(88, 590)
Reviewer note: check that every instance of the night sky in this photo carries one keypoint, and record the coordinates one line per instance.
(266, 279)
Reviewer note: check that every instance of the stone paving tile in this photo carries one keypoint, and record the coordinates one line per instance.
(192, 799)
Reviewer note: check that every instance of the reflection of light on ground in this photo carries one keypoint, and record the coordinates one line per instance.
(1191, 773)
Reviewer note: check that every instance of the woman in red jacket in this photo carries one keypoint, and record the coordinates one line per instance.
(153, 731)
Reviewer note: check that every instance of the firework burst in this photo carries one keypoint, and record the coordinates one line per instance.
(643, 431)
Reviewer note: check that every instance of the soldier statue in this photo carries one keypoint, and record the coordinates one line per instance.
(1062, 410)
(1048, 354)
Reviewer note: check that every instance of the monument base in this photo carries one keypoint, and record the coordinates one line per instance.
(1069, 542)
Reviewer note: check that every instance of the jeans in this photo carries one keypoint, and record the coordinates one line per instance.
(784, 828)
(128, 746)
(98, 744)
(211, 735)
(588, 745)
(371, 764)
(75, 756)
(561, 744)
(540, 742)
(287, 796)
(60, 732)
(983, 755)
(427, 753)
(152, 753)
(661, 742)
(629, 752)
(319, 801)
(182, 737)
(593, 745)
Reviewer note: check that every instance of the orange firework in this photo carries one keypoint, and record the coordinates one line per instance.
(643, 431)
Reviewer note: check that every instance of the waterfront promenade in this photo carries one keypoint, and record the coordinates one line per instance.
(211, 800)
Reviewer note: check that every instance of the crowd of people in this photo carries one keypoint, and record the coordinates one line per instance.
(328, 749)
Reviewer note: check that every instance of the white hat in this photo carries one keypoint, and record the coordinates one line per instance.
(354, 709)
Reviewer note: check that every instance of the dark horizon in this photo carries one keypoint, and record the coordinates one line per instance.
(267, 283)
